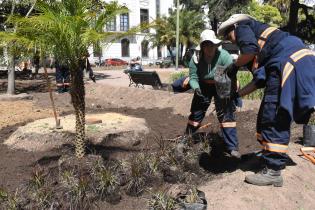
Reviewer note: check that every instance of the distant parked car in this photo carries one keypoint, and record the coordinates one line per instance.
(164, 62)
(115, 62)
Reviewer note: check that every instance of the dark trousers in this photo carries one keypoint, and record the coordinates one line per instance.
(273, 124)
(225, 110)
(62, 76)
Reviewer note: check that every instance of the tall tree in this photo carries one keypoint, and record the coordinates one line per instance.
(265, 13)
(191, 24)
(220, 10)
(7, 9)
(68, 28)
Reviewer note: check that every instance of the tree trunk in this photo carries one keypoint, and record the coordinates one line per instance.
(11, 67)
(214, 25)
(171, 54)
(11, 75)
(78, 100)
(293, 17)
(11, 64)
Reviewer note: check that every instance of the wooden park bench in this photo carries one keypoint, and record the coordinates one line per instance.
(141, 78)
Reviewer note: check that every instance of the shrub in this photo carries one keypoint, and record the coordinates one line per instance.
(176, 75)
(244, 77)
(161, 201)
(312, 119)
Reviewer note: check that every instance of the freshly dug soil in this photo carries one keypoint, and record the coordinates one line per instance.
(166, 117)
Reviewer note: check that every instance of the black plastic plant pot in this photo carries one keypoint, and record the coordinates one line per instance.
(201, 205)
(309, 135)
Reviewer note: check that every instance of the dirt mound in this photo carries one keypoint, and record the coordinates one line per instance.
(115, 130)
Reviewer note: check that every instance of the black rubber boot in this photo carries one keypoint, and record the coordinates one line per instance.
(60, 89)
(185, 139)
(266, 177)
(66, 88)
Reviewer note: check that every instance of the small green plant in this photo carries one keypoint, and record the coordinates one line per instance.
(176, 75)
(8, 201)
(107, 181)
(137, 179)
(160, 201)
(93, 128)
(76, 188)
(40, 192)
(153, 163)
(244, 77)
(3, 195)
(192, 196)
(37, 179)
(312, 119)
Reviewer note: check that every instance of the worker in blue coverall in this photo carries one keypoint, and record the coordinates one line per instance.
(63, 73)
(201, 74)
(62, 77)
(286, 69)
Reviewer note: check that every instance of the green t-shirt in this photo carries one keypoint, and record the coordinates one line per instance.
(205, 71)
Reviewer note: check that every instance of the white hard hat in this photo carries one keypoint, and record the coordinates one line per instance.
(209, 35)
(236, 18)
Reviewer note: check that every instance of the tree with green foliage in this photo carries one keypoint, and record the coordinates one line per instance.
(220, 10)
(299, 19)
(193, 5)
(265, 13)
(191, 24)
(68, 28)
(12, 48)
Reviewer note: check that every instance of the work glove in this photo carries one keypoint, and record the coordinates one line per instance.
(231, 70)
(237, 99)
(92, 77)
(199, 93)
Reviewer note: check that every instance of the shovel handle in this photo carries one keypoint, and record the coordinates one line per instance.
(308, 149)
(308, 156)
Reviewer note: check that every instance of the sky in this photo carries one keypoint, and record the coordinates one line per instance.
(309, 2)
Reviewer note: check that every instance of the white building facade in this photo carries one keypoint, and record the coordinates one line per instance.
(137, 45)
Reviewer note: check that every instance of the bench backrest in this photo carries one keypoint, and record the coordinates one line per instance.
(145, 78)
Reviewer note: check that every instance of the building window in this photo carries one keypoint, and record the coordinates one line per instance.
(144, 48)
(111, 25)
(144, 18)
(124, 22)
(125, 48)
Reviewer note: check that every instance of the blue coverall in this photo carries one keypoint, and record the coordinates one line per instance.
(62, 77)
(287, 71)
(201, 75)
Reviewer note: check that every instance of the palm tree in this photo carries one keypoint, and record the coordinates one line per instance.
(190, 25)
(165, 35)
(68, 28)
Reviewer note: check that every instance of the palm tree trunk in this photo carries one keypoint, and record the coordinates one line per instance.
(78, 101)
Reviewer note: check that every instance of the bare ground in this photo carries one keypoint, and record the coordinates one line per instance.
(166, 115)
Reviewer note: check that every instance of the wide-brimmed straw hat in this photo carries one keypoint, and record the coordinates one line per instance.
(209, 35)
(236, 18)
